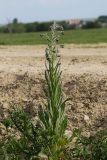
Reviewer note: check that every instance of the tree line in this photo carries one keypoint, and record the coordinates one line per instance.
(17, 27)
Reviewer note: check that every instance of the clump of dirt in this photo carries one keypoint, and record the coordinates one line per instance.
(19, 91)
(88, 106)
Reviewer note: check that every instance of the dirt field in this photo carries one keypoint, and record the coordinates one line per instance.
(84, 79)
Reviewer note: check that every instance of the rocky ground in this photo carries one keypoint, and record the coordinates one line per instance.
(84, 79)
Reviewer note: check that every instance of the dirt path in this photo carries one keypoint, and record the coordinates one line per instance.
(74, 60)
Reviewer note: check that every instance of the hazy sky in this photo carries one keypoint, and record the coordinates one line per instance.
(44, 10)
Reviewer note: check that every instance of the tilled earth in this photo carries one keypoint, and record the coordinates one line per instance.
(84, 80)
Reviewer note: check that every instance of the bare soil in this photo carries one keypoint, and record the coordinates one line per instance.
(84, 79)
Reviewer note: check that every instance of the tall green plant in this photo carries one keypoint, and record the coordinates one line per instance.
(52, 115)
(48, 135)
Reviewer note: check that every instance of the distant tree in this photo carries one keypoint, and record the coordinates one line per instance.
(31, 27)
(91, 24)
(44, 26)
(8, 27)
(2, 29)
(17, 27)
(65, 25)
(102, 18)
(15, 21)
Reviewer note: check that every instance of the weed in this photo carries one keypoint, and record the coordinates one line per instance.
(48, 135)
(88, 148)
(52, 116)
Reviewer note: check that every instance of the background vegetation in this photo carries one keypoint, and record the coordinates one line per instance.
(72, 36)
(18, 27)
(82, 31)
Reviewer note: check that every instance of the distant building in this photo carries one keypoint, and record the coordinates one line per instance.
(104, 25)
(75, 23)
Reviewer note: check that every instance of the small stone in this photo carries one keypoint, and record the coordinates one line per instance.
(5, 106)
(86, 118)
(3, 132)
(43, 156)
(68, 133)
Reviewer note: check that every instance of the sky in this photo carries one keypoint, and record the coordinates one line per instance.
(46, 10)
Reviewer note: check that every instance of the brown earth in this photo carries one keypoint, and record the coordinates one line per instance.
(84, 79)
